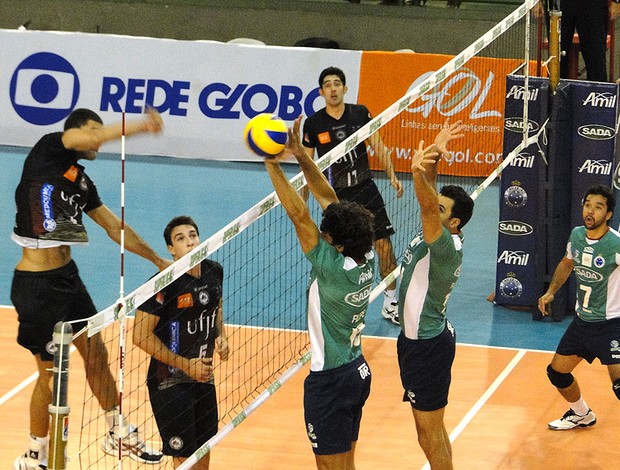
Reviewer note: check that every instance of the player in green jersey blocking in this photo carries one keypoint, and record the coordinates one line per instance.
(343, 263)
(593, 253)
(431, 266)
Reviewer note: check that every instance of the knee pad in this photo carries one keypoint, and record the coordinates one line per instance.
(616, 387)
(560, 380)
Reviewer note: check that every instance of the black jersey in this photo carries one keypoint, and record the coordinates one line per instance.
(187, 311)
(52, 195)
(323, 132)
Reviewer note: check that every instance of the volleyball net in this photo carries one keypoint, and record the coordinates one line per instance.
(265, 273)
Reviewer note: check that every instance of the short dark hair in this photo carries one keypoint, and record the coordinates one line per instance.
(463, 207)
(332, 71)
(350, 225)
(81, 116)
(179, 220)
(606, 192)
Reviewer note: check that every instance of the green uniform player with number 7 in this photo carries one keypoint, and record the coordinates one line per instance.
(593, 253)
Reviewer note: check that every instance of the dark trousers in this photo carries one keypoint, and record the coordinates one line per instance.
(590, 19)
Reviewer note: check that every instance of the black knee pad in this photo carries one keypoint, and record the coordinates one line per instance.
(616, 388)
(560, 380)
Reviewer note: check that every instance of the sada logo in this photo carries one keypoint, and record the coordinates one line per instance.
(44, 89)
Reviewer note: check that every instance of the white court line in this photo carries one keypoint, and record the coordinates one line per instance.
(11, 393)
(23, 384)
(483, 399)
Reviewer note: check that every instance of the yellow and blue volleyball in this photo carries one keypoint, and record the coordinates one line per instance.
(266, 135)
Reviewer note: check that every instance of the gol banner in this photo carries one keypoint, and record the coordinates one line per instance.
(474, 94)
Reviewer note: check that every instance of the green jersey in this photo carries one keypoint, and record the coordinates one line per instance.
(598, 276)
(430, 271)
(337, 302)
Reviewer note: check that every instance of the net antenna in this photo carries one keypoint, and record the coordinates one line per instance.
(121, 311)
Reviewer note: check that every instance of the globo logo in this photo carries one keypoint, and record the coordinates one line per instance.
(44, 89)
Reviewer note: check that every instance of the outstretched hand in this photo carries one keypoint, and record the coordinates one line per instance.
(293, 144)
(422, 156)
(447, 134)
(153, 121)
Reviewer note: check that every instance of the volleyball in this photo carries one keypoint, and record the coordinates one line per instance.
(266, 135)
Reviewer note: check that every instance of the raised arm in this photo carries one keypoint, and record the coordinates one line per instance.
(385, 158)
(107, 220)
(447, 134)
(317, 183)
(91, 138)
(424, 160)
(295, 207)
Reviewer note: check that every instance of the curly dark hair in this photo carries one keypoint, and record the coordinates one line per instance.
(350, 225)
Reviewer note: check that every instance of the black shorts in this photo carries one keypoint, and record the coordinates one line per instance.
(591, 340)
(44, 298)
(186, 416)
(426, 369)
(367, 194)
(333, 402)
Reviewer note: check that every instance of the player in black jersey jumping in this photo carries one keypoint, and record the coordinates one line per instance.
(350, 176)
(53, 194)
(181, 327)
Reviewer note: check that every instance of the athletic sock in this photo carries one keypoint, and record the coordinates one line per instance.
(389, 297)
(580, 407)
(116, 422)
(37, 450)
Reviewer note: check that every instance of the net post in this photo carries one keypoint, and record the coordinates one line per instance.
(555, 17)
(58, 409)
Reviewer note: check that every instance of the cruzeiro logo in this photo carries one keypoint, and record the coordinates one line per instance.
(515, 196)
(44, 89)
(510, 287)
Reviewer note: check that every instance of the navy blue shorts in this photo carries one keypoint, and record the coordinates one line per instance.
(367, 194)
(186, 416)
(426, 369)
(333, 402)
(44, 298)
(591, 340)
